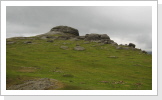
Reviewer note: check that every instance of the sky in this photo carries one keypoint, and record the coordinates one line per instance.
(123, 24)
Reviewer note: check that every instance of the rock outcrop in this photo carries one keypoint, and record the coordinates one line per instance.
(100, 38)
(94, 36)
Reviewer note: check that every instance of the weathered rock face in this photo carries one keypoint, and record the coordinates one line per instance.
(65, 29)
(132, 45)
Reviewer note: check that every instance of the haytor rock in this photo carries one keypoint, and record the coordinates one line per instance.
(64, 30)
(60, 32)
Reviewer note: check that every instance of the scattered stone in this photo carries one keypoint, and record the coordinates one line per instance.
(59, 71)
(132, 45)
(79, 48)
(113, 57)
(118, 82)
(27, 42)
(64, 47)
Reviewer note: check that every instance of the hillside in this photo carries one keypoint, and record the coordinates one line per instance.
(61, 59)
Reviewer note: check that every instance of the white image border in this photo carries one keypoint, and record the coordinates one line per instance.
(4, 4)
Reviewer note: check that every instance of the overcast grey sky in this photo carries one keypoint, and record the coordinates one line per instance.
(124, 24)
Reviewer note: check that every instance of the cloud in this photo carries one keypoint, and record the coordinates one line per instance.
(122, 23)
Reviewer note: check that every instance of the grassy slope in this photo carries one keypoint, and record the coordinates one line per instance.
(89, 69)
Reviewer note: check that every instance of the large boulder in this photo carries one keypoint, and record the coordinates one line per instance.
(66, 30)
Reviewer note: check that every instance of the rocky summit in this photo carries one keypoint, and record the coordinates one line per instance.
(70, 33)
(66, 33)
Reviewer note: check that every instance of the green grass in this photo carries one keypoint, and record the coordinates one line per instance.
(91, 69)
